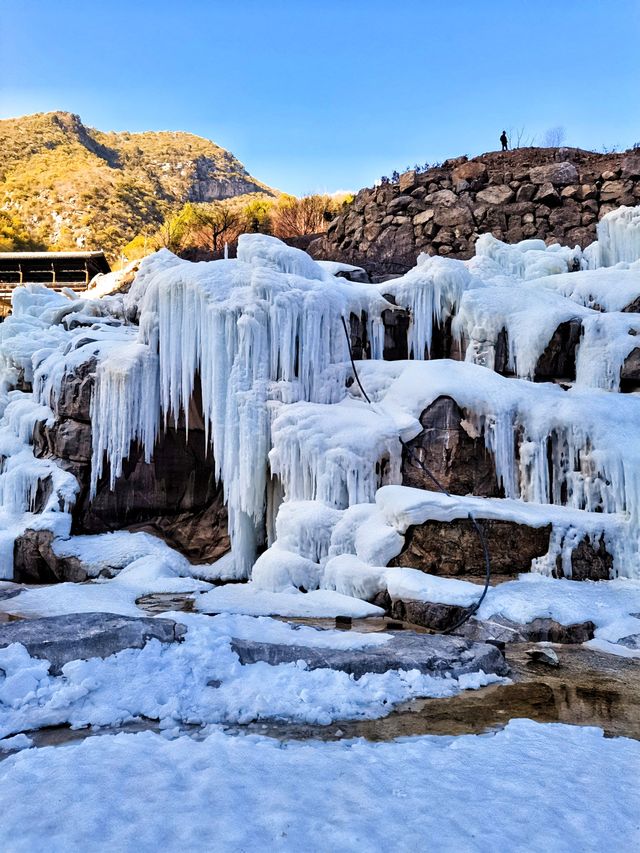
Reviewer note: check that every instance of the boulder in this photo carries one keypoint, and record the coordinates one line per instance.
(176, 496)
(526, 192)
(399, 203)
(454, 549)
(445, 198)
(35, 561)
(408, 181)
(396, 325)
(423, 218)
(498, 194)
(567, 216)
(558, 174)
(547, 195)
(470, 171)
(449, 446)
(459, 214)
(611, 191)
(81, 636)
(431, 655)
(631, 165)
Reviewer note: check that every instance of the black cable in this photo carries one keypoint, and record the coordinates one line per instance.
(353, 364)
(440, 487)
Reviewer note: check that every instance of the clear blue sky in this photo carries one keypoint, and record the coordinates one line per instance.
(331, 94)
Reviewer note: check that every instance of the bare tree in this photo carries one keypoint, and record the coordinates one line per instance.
(555, 137)
(519, 138)
(214, 226)
(294, 217)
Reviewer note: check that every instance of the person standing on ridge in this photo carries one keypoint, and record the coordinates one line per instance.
(504, 141)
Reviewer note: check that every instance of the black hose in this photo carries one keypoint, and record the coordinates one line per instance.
(477, 527)
(353, 364)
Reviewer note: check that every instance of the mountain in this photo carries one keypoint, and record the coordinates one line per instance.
(64, 185)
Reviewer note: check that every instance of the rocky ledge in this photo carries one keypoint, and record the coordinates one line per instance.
(554, 194)
(80, 636)
(431, 655)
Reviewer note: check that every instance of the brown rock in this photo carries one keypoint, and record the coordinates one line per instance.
(450, 448)
(499, 194)
(66, 439)
(588, 191)
(398, 204)
(473, 171)
(34, 560)
(542, 630)
(590, 561)
(630, 371)
(547, 195)
(611, 191)
(567, 216)
(526, 192)
(424, 217)
(396, 325)
(558, 174)
(444, 198)
(631, 165)
(443, 617)
(74, 399)
(408, 181)
(454, 549)
(459, 214)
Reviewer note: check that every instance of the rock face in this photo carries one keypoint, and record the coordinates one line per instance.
(630, 371)
(452, 450)
(80, 636)
(454, 549)
(432, 655)
(557, 195)
(175, 496)
(558, 361)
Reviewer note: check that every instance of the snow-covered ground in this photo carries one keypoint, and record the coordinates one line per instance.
(530, 787)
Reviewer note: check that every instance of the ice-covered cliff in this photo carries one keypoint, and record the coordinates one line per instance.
(252, 353)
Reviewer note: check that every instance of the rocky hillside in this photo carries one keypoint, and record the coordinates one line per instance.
(557, 194)
(64, 185)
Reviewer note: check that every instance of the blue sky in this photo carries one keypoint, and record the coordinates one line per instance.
(330, 95)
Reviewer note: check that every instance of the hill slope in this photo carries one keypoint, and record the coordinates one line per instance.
(67, 185)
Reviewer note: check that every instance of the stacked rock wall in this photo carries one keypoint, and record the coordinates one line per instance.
(554, 194)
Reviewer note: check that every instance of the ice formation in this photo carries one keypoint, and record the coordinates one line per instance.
(304, 460)
(528, 258)
(618, 238)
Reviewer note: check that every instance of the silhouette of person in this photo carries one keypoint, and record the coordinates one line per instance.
(504, 141)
